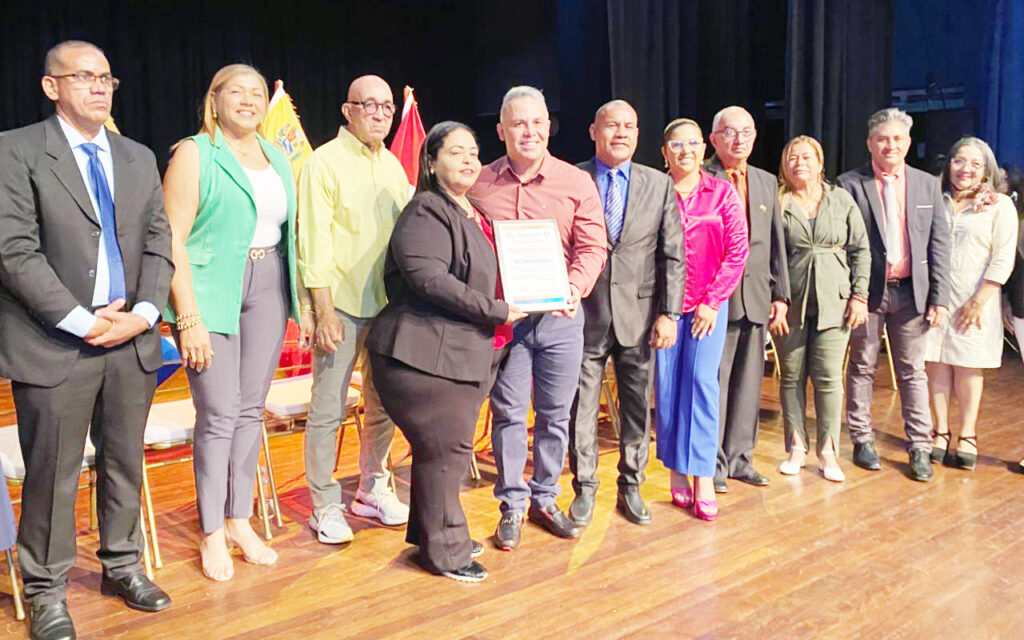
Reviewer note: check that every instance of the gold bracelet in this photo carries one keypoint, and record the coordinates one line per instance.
(187, 321)
(306, 307)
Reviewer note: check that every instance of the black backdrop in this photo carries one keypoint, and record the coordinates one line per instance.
(668, 57)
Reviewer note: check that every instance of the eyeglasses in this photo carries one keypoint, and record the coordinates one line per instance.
(675, 146)
(88, 78)
(959, 163)
(729, 133)
(371, 106)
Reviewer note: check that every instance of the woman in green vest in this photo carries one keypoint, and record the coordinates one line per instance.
(230, 202)
(829, 267)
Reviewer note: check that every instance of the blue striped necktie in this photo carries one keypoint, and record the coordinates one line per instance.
(613, 207)
(101, 191)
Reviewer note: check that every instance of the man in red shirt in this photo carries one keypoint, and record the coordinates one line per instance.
(546, 351)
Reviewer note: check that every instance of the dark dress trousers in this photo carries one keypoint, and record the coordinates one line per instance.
(765, 279)
(432, 356)
(899, 309)
(643, 277)
(49, 239)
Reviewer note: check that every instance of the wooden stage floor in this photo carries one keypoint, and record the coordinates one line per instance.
(880, 556)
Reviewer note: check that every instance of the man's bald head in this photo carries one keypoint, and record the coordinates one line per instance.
(614, 133)
(366, 87)
(368, 94)
(56, 57)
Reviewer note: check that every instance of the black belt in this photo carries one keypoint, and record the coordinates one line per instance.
(897, 282)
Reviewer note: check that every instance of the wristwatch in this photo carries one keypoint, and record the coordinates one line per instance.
(674, 316)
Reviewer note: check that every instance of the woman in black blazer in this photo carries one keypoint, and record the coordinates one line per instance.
(432, 347)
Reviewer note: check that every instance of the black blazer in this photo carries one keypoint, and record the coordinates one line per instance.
(766, 276)
(1014, 287)
(646, 269)
(927, 229)
(49, 243)
(440, 276)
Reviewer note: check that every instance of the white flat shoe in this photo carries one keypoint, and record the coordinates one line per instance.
(832, 474)
(790, 468)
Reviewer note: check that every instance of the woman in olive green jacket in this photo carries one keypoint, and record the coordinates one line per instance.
(829, 267)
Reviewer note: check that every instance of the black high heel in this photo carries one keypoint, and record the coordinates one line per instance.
(966, 461)
(939, 454)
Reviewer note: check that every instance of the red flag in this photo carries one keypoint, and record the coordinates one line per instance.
(409, 138)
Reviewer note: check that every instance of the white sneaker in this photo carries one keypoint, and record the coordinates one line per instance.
(330, 525)
(382, 505)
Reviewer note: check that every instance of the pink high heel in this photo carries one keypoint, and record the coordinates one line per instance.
(682, 498)
(705, 510)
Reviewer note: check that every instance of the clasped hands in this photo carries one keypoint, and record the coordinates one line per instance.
(114, 327)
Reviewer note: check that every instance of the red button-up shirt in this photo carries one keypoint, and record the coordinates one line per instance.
(559, 192)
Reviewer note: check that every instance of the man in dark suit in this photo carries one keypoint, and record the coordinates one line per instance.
(631, 310)
(909, 287)
(762, 296)
(84, 266)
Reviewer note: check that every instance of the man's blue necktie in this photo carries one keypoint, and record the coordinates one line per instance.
(105, 202)
(613, 207)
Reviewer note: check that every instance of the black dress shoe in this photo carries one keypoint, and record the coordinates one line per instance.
(137, 591)
(476, 550)
(552, 519)
(581, 511)
(865, 456)
(752, 477)
(720, 486)
(632, 507)
(920, 465)
(50, 622)
(472, 572)
(506, 536)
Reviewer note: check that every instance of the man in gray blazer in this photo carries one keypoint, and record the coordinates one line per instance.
(631, 310)
(909, 287)
(85, 263)
(762, 296)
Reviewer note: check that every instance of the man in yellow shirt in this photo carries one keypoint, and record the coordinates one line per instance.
(351, 191)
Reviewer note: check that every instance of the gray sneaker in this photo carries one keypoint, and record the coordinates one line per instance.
(330, 525)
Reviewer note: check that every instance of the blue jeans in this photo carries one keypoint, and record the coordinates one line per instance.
(544, 357)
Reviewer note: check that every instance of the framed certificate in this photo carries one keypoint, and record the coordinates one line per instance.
(532, 263)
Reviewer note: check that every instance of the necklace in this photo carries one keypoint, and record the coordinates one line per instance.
(245, 154)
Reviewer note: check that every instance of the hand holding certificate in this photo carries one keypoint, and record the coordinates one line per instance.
(532, 264)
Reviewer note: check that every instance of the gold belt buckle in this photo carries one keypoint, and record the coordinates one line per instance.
(257, 254)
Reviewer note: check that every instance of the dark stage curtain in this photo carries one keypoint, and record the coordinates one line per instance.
(838, 72)
(166, 52)
(644, 58)
(689, 59)
(1003, 94)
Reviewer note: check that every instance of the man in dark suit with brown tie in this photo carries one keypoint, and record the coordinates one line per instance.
(84, 266)
(909, 288)
(631, 310)
(762, 296)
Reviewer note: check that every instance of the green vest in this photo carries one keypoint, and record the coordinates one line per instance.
(218, 245)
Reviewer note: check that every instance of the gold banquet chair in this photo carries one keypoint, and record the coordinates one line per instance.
(289, 401)
(171, 425)
(14, 475)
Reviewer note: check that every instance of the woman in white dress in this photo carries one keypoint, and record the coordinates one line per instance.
(983, 226)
